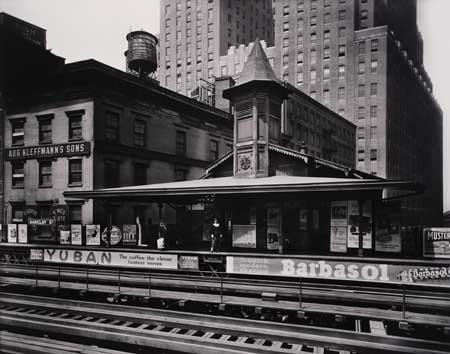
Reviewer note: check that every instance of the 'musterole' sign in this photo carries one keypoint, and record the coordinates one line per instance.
(114, 259)
(345, 270)
(44, 151)
(436, 242)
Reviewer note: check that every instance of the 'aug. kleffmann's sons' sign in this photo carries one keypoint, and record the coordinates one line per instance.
(43, 151)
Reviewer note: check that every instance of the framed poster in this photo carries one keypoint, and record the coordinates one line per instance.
(273, 237)
(115, 237)
(12, 233)
(244, 236)
(436, 242)
(64, 237)
(338, 239)
(22, 231)
(387, 231)
(339, 213)
(129, 235)
(76, 234)
(93, 235)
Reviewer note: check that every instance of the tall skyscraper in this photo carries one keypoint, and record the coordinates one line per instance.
(194, 33)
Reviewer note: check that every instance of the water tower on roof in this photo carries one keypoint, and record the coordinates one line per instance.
(141, 55)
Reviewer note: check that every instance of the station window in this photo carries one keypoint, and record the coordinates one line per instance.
(140, 174)
(75, 213)
(112, 126)
(45, 129)
(18, 132)
(180, 147)
(213, 150)
(45, 174)
(75, 172)
(139, 133)
(18, 175)
(111, 173)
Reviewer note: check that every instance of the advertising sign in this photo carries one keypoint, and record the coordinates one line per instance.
(47, 151)
(436, 242)
(388, 226)
(359, 224)
(339, 213)
(111, 258)
(36, 254)
(340, 270)
(115, 237)
(12, 233)
(93, 235)
(188, 262)
(338, 239)
(22, 231)
(129, 236)
(244, 236)
(64, 237)
(76, 234)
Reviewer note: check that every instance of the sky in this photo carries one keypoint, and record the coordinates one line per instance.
(84, 29)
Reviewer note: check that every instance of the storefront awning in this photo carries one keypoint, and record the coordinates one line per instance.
(234, 186)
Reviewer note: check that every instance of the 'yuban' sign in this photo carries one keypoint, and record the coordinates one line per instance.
(56, 150)
(114, 259)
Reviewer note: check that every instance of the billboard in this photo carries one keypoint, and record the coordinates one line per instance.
(436, 242)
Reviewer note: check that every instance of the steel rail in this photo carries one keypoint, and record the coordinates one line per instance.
(130, 324)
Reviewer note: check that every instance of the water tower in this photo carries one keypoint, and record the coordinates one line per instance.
(141, 55)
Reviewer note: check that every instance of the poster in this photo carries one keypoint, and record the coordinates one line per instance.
(303, 219)
(273, 237)
(12, 233)
(93, 235)
(436, 242)
(359, 224)
(244, 236)
(76, 234)
(188, 262)
(22, 230)
(339, 213)
(129, 235)
(115, 235)
(64, 237)
(338, 239)
(387, 228)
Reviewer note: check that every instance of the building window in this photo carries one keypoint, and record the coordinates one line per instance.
(361, 47)
(361, 110)
(299, 78)
(373, 154)
(326, 73)
(361, 89)
(313, 56)
(17, 213)
(373, 88)
(18, 175)
(75, 171)
(286, 11)
(213, 150)
(140, 174)
(374, 66)
(300, 58)
(327, 18)
(313, 37)
(373, 111)
(361, 67)
(341, 50)
(45, 129)
(285, 42)
(44, 210)
(326, 97)
(326, 52)
(374, 45)
(341, 93)
(364, 14)
(285, 59)
(111, 173)
(180, 174)
(285, 26)
(181, 143)
(75, 215)
(360, 155)
(373, 132)
(326, 34)
(45, 174)
(18, 132)
(112, 126)
(360, 132)
(223, 70)
(313, 76)
(341, 15)
(341, 70)
(139, 133)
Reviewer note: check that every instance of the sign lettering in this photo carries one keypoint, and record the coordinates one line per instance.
(56, 150)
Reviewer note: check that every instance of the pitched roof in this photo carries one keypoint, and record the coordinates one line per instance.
(257, 67)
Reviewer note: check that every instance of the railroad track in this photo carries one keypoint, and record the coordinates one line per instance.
(192, 333)
(366, 295)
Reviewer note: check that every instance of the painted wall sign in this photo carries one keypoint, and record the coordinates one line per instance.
(345, 270)
(436, 242)
(47, 151)
(244, 236)
(113, 258)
